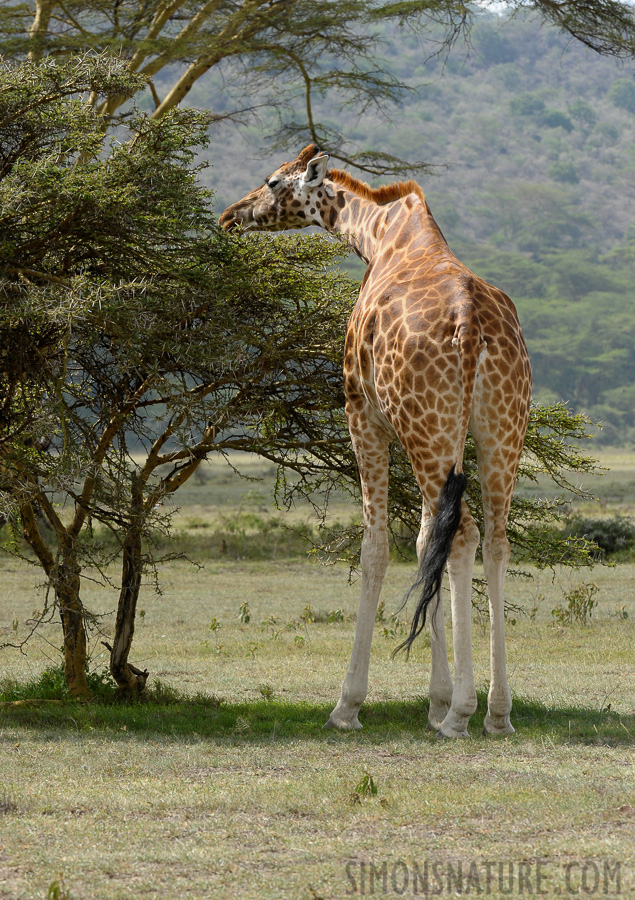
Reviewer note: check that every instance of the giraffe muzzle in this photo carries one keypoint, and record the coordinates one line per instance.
(228, 221)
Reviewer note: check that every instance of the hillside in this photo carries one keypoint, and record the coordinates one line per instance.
(533, 140)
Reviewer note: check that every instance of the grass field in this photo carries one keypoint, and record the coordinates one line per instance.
(224, 783)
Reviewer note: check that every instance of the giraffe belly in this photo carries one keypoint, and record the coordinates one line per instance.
(373, 407)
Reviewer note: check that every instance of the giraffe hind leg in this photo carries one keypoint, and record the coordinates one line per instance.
(436, 552)
(499, 701)
(460, 569)
(441, 685)
(497, 472)
(451, 537)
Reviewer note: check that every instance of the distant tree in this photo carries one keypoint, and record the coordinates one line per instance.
(492, 45)
(536, 218)
(563, 170)
(581, 112)
(608, 133)
(528, 104)
(555, 118)
(622, 94)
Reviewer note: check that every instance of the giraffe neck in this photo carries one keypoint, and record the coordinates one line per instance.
(361, 222)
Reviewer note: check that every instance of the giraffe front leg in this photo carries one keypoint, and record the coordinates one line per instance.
(371, 449)
(374, 561)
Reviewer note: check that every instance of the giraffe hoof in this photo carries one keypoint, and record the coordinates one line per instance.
(491, 728)
(344, 724)
(450, 734)
(436, 717)
(434, 725)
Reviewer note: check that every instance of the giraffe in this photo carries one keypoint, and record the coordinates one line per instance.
(431, 351)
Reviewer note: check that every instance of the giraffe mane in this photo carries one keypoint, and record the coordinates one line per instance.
(381, 195)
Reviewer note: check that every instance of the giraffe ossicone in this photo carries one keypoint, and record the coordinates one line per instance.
(431, 351)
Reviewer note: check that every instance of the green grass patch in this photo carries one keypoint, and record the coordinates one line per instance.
(44, 705)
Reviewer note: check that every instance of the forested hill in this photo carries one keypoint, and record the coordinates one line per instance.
(537, 134)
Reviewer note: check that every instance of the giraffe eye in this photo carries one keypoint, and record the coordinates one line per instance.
(273, 183)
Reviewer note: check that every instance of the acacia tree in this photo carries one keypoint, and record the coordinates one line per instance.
(284, 53)
(131, 322)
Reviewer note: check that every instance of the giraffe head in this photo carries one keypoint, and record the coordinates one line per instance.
(288, 198)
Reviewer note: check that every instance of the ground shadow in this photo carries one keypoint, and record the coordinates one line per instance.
(263, 720)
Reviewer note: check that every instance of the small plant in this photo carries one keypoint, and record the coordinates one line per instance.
(307, 616)
(214, 627)
(58, 890)
(536, 602)
(298, 640)
(620, 613)
(244, 614)
(336, 615)
(102, 685)
(7, 804)
(366, 787)
(396, 628)
(380, 615)
(580, 603)
(266, 692)
(270, 622)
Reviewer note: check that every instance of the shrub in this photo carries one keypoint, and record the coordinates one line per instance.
(580, 604)
(610, 535)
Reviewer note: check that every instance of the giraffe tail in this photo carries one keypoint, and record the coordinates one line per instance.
(437, 550)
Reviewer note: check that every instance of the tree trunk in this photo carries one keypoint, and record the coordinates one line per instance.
(131, 681)
(63, 573)
(66, 581)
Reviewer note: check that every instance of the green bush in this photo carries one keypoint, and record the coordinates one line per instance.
(610, 535)
(51, 685)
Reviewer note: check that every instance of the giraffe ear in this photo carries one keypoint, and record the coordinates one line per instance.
(315, 171)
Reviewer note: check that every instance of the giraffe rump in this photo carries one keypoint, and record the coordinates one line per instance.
(436, 553)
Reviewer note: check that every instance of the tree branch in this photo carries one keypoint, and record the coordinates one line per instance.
(39, 28)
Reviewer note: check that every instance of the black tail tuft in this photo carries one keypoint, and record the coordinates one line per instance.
(437, 550)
